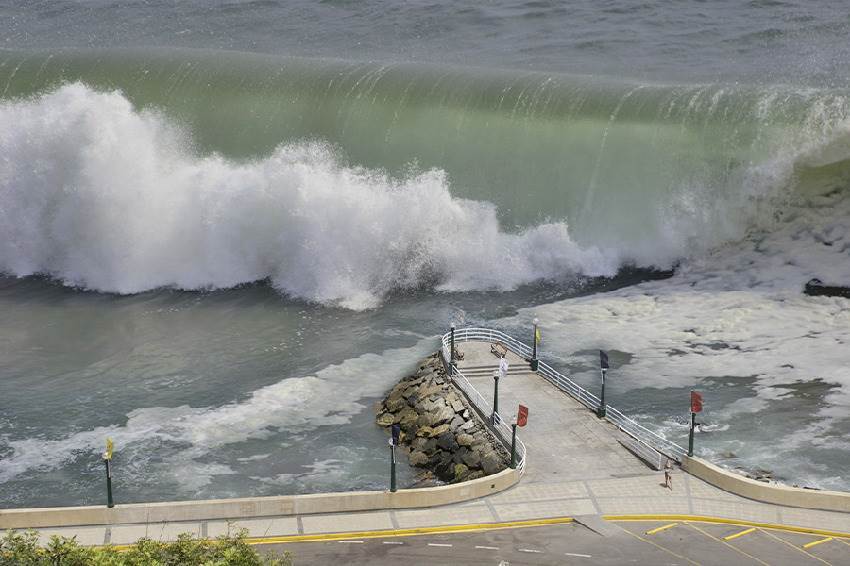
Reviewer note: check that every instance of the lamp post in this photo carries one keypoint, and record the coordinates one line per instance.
(513, 445)
(452, 351)
(495, 396)
(534, 361)
(107, 459)
(603, 368)
(396, 434)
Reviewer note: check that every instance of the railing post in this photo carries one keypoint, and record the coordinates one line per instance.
(452, 351)
(603, 368)
(534, 362)
(513, 447)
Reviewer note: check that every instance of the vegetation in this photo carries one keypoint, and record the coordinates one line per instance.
(23, 549)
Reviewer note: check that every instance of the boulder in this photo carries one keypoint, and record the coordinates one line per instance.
(425, 419)
(408, 392)
(461, 472)
(491, 463)
(464, 439)
(407, 420)
(386, 419)
(456, 423)
(447, 442)
(395, 403)
(445, 469)
(418, 458)
(443, 415)
(457, 406)
(425, 431)
(418, 443)
(438, 430)
(471, 458)
(474, 475)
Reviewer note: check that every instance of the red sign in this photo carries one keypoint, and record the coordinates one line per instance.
(696, 402)
(522, 416)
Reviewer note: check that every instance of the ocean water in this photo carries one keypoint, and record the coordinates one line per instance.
(227, 228)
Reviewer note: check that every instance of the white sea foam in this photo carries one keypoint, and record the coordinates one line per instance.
(737, 313)
(101, 196)
(330, 397)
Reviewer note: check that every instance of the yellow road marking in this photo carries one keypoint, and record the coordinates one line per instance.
(665, 549)
(795, 547)
(738, 550)
(391, 533)
(725, 521)
(817, 542)
(659, 529)
(740, 534)
(413, 532)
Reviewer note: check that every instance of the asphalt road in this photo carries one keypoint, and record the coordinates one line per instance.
(655, 543)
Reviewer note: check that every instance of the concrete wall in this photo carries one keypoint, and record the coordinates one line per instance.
(257, 506)
(769, 493)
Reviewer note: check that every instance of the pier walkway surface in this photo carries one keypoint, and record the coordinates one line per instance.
(576, 468)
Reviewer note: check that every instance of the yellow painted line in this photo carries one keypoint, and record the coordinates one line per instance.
(795, 547)
(738, 550)
(659, 529)
(742, 533)
(725, 521)
(390, 533)
(817, 542)
(412, 532)
(664, 548)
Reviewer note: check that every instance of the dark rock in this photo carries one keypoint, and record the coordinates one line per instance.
(464, 439)
(471, 459)
(456, 423)
(461, 472)
(425, 419)
(447, 442)
(491, 463)
(443, 415)
(395, 403)
(418, 459)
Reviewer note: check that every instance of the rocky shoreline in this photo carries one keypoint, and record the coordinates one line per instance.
(439, 431)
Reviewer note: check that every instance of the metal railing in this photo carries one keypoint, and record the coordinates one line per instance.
(641, 433)
(495, 423)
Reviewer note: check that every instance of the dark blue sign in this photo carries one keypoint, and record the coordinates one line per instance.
(603, 359)
(396, 433)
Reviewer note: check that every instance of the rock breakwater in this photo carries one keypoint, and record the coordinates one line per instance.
(439, 429)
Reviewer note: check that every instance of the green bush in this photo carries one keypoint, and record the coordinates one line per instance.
(23, 549)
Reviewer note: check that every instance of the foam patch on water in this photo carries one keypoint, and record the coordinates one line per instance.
(330, 397)
(738, 313)
(102, 196)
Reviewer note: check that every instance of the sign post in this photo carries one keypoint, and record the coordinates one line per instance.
(696, 407)
(452, 352)
(107, 459)
(603, 368)
(396, 434)
(521, 420)
(535, 363)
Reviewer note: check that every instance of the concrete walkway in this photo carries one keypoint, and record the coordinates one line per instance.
(576, 467)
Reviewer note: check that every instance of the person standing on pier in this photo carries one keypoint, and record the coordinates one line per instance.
(503, 367)
(668, 474)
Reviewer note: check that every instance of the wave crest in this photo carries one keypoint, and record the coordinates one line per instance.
(102, 196)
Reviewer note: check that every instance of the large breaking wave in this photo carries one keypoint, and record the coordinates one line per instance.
(103, 197)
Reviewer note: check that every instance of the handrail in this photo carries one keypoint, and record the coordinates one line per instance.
(627, 425)
(495, 423)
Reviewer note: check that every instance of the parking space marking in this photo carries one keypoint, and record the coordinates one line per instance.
(665, 549)
(817, 542)
(439, 544)
(487, 547)
(740, 534)
(795, 547)
(738, 550)
(578, 555)
(659, 529)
